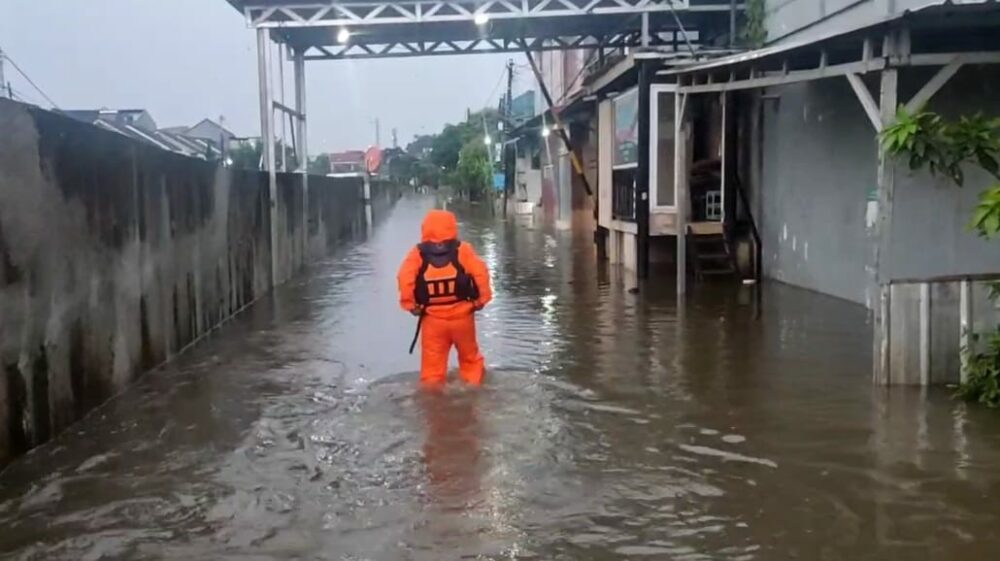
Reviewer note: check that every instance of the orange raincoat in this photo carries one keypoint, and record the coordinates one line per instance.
(446, 325)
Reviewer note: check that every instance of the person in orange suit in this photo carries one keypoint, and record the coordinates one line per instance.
(444, 282)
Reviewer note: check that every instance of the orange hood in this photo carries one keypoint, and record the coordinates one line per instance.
(439, 226)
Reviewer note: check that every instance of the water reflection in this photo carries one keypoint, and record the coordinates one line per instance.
(451, 450)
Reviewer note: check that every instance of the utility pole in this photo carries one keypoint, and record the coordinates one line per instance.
(508, 167)
(378, 133)
(395, 138)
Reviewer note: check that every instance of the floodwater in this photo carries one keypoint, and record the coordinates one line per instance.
(613, 426)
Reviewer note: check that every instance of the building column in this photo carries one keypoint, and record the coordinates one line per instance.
(642, 171)
(681, 187)
(879, 295)
(267, 144)
(302, 154)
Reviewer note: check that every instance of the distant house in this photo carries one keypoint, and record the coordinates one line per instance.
(211, 131)
(138, 118)
(140, 125)
(347, 163)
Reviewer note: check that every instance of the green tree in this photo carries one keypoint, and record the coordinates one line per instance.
(320, 165)
(246, 155)
(473, 172)
(928, 141)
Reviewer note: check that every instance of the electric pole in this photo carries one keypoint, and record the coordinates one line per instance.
(506, 119)
(378, 133)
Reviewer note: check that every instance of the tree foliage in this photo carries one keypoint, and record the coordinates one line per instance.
(246, 155)
(945, 148)
(754, 33)
(928, 141)
(473, 172)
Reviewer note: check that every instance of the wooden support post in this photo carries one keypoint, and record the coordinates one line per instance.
(681, 188)
(871, 108)
(881, 372)
(724, 164)
(934, 85)
(642, 171)
(880, 234)
(965, 323)
(925, 334)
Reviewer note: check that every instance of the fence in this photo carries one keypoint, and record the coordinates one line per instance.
(929, 324)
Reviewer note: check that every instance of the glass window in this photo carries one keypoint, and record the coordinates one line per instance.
(626, 115)
(665, 149)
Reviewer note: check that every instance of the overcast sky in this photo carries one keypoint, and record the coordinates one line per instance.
(184, 60)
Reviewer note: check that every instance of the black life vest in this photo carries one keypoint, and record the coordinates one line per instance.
(442, 279)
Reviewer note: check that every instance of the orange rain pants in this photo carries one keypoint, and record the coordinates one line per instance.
(436, 340)
(446, 325)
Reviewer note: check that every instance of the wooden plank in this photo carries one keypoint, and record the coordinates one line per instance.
(867, 101)
(934, 85)
(705, 228)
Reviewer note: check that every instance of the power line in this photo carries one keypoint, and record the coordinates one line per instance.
(30, 81)
(503, 75)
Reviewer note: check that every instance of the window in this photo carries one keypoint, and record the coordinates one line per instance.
(626, 117)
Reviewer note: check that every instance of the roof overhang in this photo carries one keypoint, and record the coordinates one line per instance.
(325, 29)
(936, 35)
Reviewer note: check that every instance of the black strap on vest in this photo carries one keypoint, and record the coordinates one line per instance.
(439, 254)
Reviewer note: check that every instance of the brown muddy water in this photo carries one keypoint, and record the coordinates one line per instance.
(613, 426)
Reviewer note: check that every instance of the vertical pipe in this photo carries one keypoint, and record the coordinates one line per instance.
(642, 171)
(267, 140)
(303, 152)
(680, 189)
(965, 323)
(925, 334)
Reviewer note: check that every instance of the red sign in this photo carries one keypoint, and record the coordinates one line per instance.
(373, 159)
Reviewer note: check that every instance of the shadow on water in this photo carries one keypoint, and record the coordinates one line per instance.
(612, 426)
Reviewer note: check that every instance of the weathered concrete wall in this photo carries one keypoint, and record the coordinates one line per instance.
(819, 171)
(819, 163)
(115, 255)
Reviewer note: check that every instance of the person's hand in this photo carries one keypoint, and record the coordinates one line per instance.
(417, 311)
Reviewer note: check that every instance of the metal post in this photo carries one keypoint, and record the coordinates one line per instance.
(508, 167)
(560, 129)
(267, 139)
(965, 322)
(642, 171)
(681, 189)
(303, 153)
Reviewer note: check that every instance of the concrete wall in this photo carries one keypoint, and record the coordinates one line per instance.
(819, 171)
(819, 163)
(115, 255)
(804, 19)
